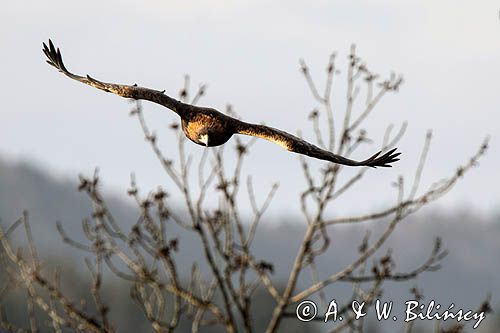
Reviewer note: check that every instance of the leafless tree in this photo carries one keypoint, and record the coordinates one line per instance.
(145, 255)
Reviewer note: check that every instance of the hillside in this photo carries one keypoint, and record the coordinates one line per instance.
(469, 273)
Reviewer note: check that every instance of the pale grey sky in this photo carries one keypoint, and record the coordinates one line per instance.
(247, 52)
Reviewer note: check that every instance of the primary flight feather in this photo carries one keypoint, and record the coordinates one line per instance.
(209, 127)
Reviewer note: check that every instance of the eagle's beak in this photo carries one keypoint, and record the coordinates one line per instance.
(204, 139)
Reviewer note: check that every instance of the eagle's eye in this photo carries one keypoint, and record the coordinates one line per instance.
(203, 139)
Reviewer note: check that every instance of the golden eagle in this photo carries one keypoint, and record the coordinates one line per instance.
(209, 127)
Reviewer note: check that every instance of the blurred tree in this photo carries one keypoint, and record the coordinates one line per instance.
(231, 289)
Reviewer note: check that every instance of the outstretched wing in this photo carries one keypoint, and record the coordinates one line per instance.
(299, 146)
(55, 59)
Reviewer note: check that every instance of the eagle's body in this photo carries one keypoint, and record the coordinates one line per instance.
(209, 127)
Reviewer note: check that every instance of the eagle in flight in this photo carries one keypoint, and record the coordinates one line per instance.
(209, 127)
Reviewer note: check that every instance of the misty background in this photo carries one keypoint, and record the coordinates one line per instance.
(52, 128)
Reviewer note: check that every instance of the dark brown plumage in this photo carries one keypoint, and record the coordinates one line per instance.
(209, 127)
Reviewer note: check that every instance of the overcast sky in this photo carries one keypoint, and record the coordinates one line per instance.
(247, 52)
